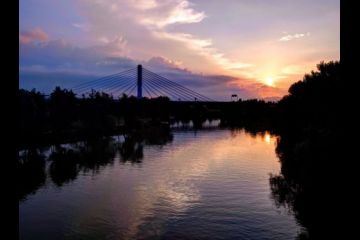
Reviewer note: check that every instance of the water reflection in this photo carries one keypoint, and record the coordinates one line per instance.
(301, 184)
(31, 172)
(89, 156)
(131, 150)
(264, 136)
(64, 165)
(196, 124)
(212, 185)
(289, 191)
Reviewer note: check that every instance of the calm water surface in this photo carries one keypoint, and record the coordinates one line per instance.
(209, 184)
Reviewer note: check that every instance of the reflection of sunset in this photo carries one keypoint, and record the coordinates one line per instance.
(190, 165)
(218, 173)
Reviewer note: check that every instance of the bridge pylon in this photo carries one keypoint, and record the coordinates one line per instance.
(139, 81)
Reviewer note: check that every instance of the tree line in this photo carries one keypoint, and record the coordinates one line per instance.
(62, 116)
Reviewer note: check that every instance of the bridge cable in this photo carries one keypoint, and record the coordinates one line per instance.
(180, 87)
(171, 90)
(115, 81)
(167, 92)
(106, 78)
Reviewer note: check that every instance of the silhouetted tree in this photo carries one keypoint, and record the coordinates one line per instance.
(62, 105)
(309, 148)
(32, 116)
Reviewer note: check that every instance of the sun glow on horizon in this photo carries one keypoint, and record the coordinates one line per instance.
(267, 138)
(269, 81)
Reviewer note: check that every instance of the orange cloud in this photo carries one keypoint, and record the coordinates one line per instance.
(36, 34)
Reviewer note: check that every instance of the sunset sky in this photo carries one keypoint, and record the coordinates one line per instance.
(253, 48)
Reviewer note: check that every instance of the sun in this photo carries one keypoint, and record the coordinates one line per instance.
(269, 81)
(267, 138)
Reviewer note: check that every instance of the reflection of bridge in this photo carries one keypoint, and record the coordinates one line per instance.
(136, 80)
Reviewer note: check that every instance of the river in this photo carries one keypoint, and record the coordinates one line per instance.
(204, 184)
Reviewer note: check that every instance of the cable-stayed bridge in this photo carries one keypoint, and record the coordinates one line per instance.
(140, 82)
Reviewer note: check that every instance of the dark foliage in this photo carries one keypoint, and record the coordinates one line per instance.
(309, 148)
